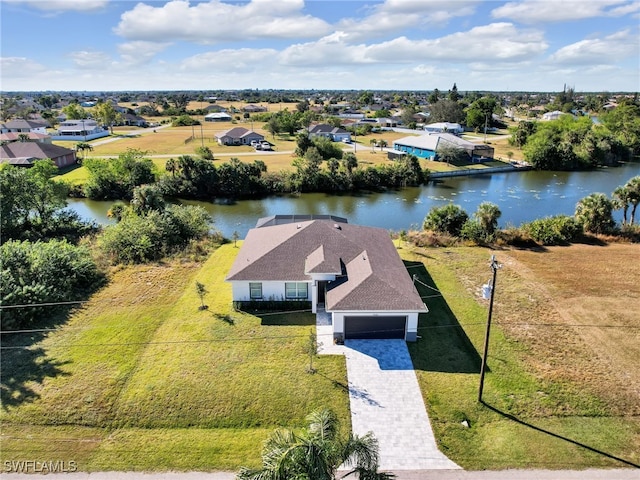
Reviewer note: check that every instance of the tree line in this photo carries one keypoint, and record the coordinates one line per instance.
(50, 256)
(593, 214)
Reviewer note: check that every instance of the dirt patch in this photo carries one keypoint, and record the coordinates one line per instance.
(576, 309)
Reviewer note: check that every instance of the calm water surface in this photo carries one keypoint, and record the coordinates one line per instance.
(521, 196)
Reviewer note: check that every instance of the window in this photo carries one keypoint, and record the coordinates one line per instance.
(255, 290)
(296, 290)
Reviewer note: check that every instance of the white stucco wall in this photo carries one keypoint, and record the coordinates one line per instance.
(270, 291)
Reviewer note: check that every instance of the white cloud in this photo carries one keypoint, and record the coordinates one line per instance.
(607, 50)
(498, 42)
(86, 59)
(140, 52)
(63, 5)
(240, 60)
(398, 15)
(18, 67)
(536, 11)
(215, 22)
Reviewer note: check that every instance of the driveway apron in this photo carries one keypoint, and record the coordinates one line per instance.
(385, 399)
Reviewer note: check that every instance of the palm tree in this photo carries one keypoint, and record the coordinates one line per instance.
(171, 166)
(594, 213)
(373, 142)
(382, 144)
(621, 199)
(316, 453)
(487, 216)
(633, 186)
(82, 146)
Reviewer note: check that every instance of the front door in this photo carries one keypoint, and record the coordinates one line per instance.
(322, 290)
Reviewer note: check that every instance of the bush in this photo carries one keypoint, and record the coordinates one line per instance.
(271, 305)
(184, 121)
(447, 219)
(556, 230)
(43, 272)
(472, 230)
(153, 235)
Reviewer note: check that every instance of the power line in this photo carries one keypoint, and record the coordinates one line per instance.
(48, 304)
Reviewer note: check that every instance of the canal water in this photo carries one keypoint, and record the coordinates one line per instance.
(521, 196)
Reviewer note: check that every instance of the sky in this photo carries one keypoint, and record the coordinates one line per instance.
(524, 45)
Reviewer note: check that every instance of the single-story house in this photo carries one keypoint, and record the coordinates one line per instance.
(238, 136)
(335, 134)
(351, 272)
(426, 146)
(25, 153)
(20, 125)
(30, 137)
(444, 127)
(217, 117)
(555, 115)
(131, 119)
(80, 130)
(254, 108)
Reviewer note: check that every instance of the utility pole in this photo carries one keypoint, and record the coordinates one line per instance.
(494, 266)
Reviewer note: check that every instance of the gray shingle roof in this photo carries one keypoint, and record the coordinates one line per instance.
(33, 150)
(374, 276)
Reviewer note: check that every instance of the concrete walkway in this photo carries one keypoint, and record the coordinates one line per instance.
(385, 399)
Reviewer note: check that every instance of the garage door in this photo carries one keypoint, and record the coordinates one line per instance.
(374, 327)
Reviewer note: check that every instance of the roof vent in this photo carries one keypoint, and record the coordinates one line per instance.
(299, 227)
(337, 227)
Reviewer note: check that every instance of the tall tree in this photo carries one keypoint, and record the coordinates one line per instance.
(487, 216)
(454, 96)
(316, 453)
(106, 114)
(621, 198)
(633, 186)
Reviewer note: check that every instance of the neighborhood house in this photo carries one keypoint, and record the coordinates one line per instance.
(26, 153)
(239, 136)
(427, 146)
(351, 272)
(80, 130)
(335, 134)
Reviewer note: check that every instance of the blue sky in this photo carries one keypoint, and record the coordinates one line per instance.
(530, 45)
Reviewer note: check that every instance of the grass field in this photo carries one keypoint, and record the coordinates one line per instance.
(140, 378)
(562, 389)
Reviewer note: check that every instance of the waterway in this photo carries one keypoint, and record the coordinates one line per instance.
(521, 196)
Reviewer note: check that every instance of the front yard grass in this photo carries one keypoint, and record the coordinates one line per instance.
(140, 378)
(558, 396)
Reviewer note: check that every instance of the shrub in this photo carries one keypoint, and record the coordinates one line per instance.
(43, 272)
(447, 219)
(556, 230)
(472, 230)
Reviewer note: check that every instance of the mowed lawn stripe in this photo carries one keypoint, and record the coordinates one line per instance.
(87, 361)
(221, 368)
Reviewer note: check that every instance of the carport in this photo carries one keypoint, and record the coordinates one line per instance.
(380, 327)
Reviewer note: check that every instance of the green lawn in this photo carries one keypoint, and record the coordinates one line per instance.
(141, 378)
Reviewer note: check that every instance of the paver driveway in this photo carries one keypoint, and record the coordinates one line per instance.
(385, 399)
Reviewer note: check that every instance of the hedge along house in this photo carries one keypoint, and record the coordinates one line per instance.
(352, 272)
(427, 146)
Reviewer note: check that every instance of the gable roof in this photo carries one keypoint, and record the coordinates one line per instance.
(35, 150)
(325, 128)
(371, 275)
(238, 132)
(22, 123)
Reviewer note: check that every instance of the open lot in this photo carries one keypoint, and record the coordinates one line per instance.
(140, 378)
(563, 386)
